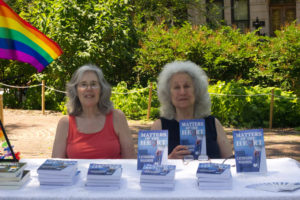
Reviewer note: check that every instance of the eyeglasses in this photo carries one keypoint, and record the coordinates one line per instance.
(85, 85)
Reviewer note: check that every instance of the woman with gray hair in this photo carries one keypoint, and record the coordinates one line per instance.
(93, 129)
(183, 94)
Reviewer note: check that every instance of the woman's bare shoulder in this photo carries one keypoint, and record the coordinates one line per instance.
(64, 121)
(156, 125)
(118, 114)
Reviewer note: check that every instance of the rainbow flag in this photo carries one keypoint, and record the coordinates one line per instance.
(21, 41)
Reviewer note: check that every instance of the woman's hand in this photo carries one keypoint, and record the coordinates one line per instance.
(179, 152)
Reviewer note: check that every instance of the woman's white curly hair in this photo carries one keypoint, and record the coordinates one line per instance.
(202, 107)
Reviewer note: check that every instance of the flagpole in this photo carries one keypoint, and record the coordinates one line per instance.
(1, 106)
(43, 97)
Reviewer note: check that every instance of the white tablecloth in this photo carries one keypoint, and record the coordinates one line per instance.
(283, 169)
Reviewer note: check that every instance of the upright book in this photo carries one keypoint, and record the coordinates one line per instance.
(6, 151)
(192, 135)
(250, 153)
(152, 147)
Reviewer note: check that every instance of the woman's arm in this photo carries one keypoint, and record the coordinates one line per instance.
(223, 142)
(122, 129)
(60, 142)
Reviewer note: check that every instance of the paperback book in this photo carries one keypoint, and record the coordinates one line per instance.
(58, 167)
(213, 170)
(15, 184)
(158, 177)
(192, 135)
(250, 153)
(158, 172)
(106, 176)
(11, 169)
(152, 147)
(58, 180)
(104, 171)
(58, 172)
(214, 176)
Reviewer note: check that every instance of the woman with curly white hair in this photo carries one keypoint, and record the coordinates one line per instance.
(93, 129)
(183, 94)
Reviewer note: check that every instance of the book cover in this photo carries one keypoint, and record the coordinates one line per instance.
(104, 171)
(6, 149)
(213, 170)
(192, 135)
(250, 153)
(59, 167)
(152, 147)
(160, 172)
(11, 169)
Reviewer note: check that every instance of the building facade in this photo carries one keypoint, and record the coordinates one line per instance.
(247, 15)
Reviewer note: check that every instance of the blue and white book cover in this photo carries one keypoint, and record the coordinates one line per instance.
(192, 135)
(152, 147)
(250, 153)
(158, 170)
(62, 167)
(104, 169)
(213, 170)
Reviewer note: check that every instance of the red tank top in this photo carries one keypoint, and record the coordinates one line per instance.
(104, 144)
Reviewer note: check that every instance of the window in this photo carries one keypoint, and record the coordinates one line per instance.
(215, 12)
(240, 14)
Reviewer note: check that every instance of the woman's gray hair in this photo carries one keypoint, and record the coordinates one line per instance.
(74, 106)
(202, 107)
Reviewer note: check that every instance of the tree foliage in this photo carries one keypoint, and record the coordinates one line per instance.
(132, 40)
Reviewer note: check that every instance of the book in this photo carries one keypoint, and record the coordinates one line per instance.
(24, 178)
(58, 167)
(152, 147)
(213, 170)
(104, 171)
(105, 176)
(6, 149)
(158, 172)
(250, 153)
(192, 135)
(214, 176)
(157, 177)
(11, 169)
(166, 185)
(57, 180)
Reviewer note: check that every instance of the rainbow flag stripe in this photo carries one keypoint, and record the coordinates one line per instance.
(23, 42)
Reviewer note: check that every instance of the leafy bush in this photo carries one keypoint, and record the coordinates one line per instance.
(243, 106)
(134, 102)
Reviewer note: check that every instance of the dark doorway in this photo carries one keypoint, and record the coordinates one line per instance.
(281, 13)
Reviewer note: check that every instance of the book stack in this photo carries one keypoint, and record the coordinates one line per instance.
(57, 172)
(214, 176)
(158, 177)
(13, 175)
(105, 176)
